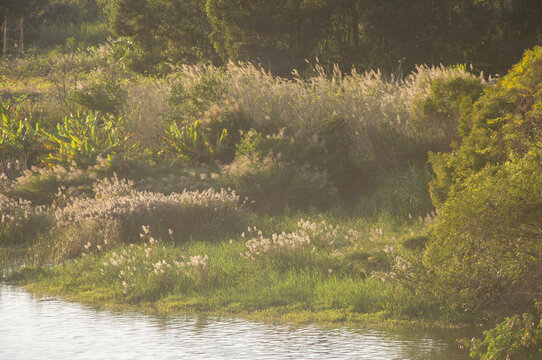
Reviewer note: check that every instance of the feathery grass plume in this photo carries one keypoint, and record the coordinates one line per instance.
(325, 246)
(20, 221)
(183, 214)
(143, 110)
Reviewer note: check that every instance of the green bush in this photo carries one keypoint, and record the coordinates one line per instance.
(436, 116)
(103, 94)
(501, 126)
(195, 93)
(402, 193)
(272, 184)
(518, 337)
(486, 246)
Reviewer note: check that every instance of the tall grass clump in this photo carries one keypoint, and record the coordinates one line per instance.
(368, 102)
(148, 271)
(117, 206)
(344, 129)
(20, 221)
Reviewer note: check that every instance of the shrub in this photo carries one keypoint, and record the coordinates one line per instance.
(518, 337)
(486, 246)
(102, 94)
(436, 115)
(195, 91)
(273, 184)
(402, 193)
(501, 126)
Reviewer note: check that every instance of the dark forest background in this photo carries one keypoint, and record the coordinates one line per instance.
(392, 35)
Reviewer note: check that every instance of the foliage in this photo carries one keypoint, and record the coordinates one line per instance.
(278, 35)
(103, 94)
(485, 249)
(436, 115)
(518, 337)
(194, 91)
(181, 36)
(18, 141)
(192, 143)
(367, 35)
(82, 138)
(272, 184)
(402, 193)
(502, 126)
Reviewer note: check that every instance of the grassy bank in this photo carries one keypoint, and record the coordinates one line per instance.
(330, 270)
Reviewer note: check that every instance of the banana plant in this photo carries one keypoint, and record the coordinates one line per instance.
(192, 142)
(80, 139)
(18, 140)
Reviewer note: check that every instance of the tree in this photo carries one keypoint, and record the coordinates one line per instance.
(163, 30)
(279, 34)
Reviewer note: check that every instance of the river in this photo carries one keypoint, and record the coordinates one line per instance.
(48, 328)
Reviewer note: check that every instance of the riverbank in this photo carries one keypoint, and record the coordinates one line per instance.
(290, 279)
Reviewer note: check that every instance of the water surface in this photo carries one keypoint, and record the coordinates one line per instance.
(47, 328)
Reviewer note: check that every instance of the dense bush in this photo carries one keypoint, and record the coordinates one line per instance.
(486, 247)
(101, 94)
(272, 184)
(502, 125)
(436, 115)
(518, 337)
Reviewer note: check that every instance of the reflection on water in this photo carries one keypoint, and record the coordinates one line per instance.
(41, 328)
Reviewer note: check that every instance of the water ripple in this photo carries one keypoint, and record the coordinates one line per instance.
(45, 328)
